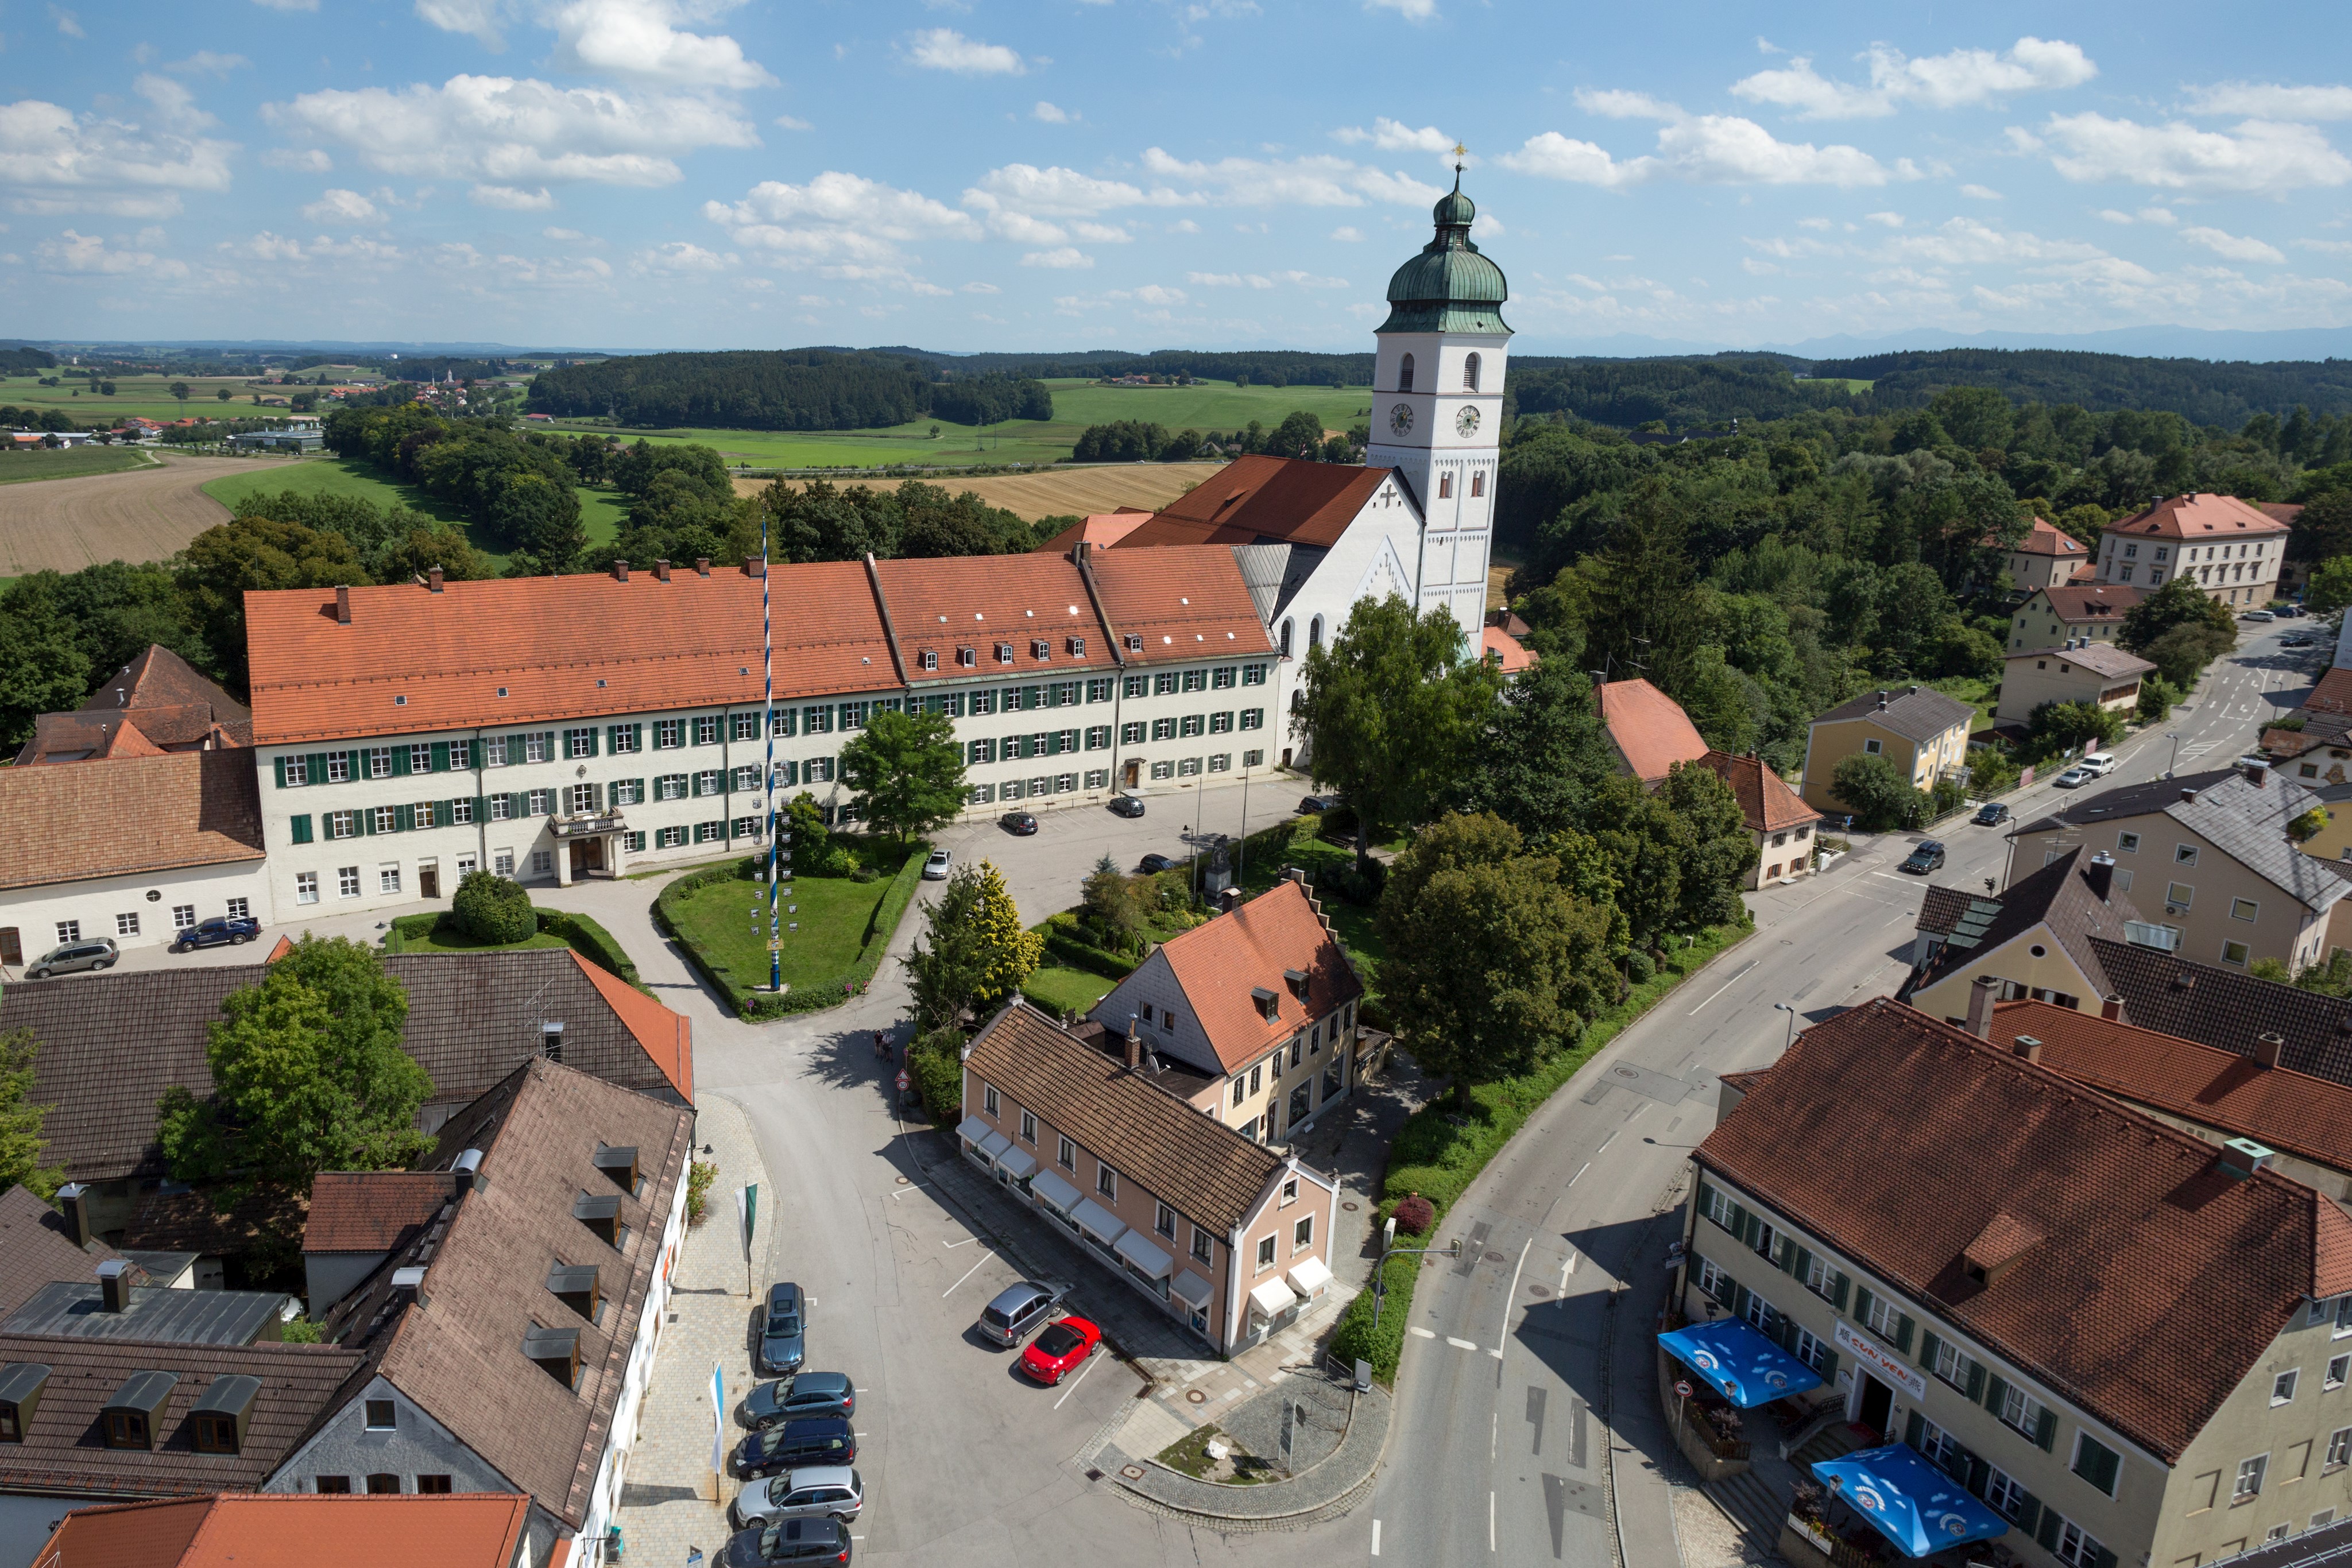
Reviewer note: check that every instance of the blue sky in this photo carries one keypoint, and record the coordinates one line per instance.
(1139, 174)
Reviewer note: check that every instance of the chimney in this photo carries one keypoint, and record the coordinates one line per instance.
(2101, 875)
(114, 1284)
(620, 571)
(1134, 1045)
(702, 565)
(661, 571)
(2189, 794)
(1882, 702)
(465, 1171)
(433, 578)
(1981, 996)
(2257, 773)
(1229, 899)
(343, 604)
(2267, 1048)
(2111, 1009)
(74, 1198)
(2029, 1048)
(755, 568)
(1079, 551)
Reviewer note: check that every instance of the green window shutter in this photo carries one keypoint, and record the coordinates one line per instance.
(1792, 1257)
(367, 823)
(281, 773)
(445, 814)
(1828, 1368)
(301, 827)
(1862, 1306)
(2048, 1534)
(519, 803)
(1976, 1382)
(400, 762)
(1928, 1343)
(1979, 1473)
(403, 819)
(694, 786)
(2105, 1559)
(1915, 1428)
(2028, 1515)
(2046, 1433)
(592, 743)
(637, 737)
(1995, 1389)
(1706, 1197)
(481, 808)
(1838, 1293)
(440, 757)
(640, 789)
(1800, 1262)
(1788, 1334)
(1739, 1299)
(596, 796)
(1902, 1334)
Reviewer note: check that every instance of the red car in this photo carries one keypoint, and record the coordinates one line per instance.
(1065, 1342)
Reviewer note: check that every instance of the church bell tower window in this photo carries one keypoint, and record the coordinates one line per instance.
(1470, 374)
(1404, 375)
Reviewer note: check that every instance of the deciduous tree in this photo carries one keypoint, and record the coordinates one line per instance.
(905, 771)
(21, 1145)
(972, 951)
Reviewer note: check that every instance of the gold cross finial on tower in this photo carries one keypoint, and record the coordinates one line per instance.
(1460, 152)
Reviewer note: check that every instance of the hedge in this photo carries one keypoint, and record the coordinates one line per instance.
(1084, 956)
(1436, 1157)
(581, 935)
(757, 1005)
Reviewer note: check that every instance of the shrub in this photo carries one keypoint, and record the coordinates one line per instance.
(591, 941)
(1355, 884)
(1414, 1216)
(491, 908)
(699, 1177)
(1639, 966)
(935, 1061)
(838, 861)
(297, 1330)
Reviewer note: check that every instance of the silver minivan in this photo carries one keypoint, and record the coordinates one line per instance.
(828, 1490)
(1016, 1310)
(98, 953)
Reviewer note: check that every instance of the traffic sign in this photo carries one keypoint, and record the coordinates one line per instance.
(1683, 1389)
(905, 1083)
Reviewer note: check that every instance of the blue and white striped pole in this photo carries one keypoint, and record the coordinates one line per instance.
(768, 721)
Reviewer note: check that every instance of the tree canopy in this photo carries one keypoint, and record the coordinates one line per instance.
(973, 952)
(904, 772)
(21, 1116)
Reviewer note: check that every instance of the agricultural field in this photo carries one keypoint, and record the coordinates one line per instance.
(150, 396)
(600, 510)
(68, 463)
(142, 514)
(1058, 492)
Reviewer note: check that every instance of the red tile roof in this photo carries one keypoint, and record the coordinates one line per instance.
(1264, 498)
(1507, 653)
(1184, 602)
(2199, 519)
(372, 1211)
(294, 1530)
(667, 1037)
(2159, 1282)
(1765, 799)
(2280, 511)
(1217, 965)
(2099, 601)
(1648, 727)
(192, 809)
(941, 605)
(1100, 529)
(2334, 692)
(2047, 539)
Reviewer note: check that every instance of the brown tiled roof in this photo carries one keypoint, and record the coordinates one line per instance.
(1100, 529)
(2157, 1284)
(1184, 602)
(161, 679)
(2100, 658)
(1254, 499)
(2046, 539)
(69, 824)
(187, 1222)
(2280, 511)
(666, 1037)
(1913, 712)
(2228, 1008)
(1941, 907)
(1216, 965)
(2278, 1107)
(294, 1530)
(64, 1452)
(1649, 729)
(2058, 894)
(2334, 692)
(1507, 653)
(1765, 798)
(2091, 601)
(458, 1351)
(372, 1211)
(2199, 519)
(472, 1017)
(155, 703)
(1195, 1163)
(37, 1249)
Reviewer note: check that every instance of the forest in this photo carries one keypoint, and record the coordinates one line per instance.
(791, 389)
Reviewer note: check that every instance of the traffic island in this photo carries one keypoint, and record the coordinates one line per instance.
(1336, 1439)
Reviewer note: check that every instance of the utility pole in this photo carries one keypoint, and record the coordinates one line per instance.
(1380, 1269)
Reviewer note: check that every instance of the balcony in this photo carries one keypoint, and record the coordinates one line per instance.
(587, 824)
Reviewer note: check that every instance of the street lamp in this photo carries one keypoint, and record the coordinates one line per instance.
(2173, 735)
(1785, 1008)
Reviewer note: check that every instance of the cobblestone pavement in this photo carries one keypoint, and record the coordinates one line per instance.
(1312, 1497)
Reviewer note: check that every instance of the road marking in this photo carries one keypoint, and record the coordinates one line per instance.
(1725, 986)
(1081, 1377)
(1566, 1269)
(1376, 1538)
(1497, 1354)
(1461, 1343)
(1421, 1332)
(1889, 876)
(967, 1273)
(1490, 1522)
(1503, 1329)
(911, 1186)
(1493, 1434)
(1604, 1146)
(1580, 1171)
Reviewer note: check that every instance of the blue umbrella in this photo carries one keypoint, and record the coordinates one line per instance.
(1741, 1363)
(1909, 1500)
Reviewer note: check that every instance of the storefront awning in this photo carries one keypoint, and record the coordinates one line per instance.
(1307, 1276)
(1192, 1288)
(1909, 1500)
(1018, 1164)
(1149, 1261)
(1055, 1190)
(1272, 1299)
(1097, 1221)
(1739, 1363)
(994, 1144)
(972, 1130)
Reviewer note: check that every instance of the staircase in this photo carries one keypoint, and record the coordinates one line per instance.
(1756, 1500)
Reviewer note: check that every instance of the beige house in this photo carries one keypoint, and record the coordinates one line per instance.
(1923, 733)
(2232, 550)
(2080, 612)
(2222, 871)
(2129, 1345)
(2046, 557)
(2033, 937)
(1782, 824)
(2078, 671)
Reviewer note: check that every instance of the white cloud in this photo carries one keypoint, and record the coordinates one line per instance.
(562, 234)
(792, 123)
(335, 205)
(2163, 216)
(204, 62)
(1184, 226)
(844, 225)
(2233, 247)
(1061, 256)
(1100, 234)
(71, 252)
(1411, 10)
(512, 199)
(1314, 181)
(1961, 79)
(510, 130)
(2328, 246)
(1707, 149)
(1965, 242)
(1227, 280)
(641, 38)
(929, 290)
(2110, 216)
(53, 161)
(1981, 193)
(476, 19)
(2271, 100)
(945, 50)
(1395, 136)
(1051, 115)
(66, 22)
(1149, 294)
(1889, 220)
(308, 159)
(2256, 158)
(1308, 280)
(982, 289)
(1551, 156)
(1349, 233)
(1617, 103)
(678, 258)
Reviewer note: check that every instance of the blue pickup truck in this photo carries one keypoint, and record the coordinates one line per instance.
(217, 932)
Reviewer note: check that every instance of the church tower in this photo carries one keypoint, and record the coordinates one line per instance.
(1437, 404)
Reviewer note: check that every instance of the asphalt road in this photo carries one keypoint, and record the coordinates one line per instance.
(1500, 1453)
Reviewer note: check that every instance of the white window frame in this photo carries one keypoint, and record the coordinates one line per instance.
(2004, 1493)
(2284, 1386)
(2251, 1474)
(127, 924)
(347, 881)
(2339, 1448)
(1885, 1318)
(306, 887)
(2339, 1368)
(2075, 1545)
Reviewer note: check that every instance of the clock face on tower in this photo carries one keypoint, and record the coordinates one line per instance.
(1401, 418)
(1466, 420)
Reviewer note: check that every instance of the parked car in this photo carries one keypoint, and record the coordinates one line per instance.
(1019, 823)
(218, 932)
(73, 956)
(1062, 1349)
(2100, 763)
(815, 1491)
(1126, 806)
(798, 1398)
(789, 1540)
(1313, 805)
(1016, 1310)
(2258, 615)
(783, 1336)
(1991, 814)
(796, 1445)
(1156, 861)
(935, 868)
(1928, 857)
(2073, 778)
(2298, 640)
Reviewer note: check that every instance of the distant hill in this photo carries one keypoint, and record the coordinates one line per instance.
(2226, 394)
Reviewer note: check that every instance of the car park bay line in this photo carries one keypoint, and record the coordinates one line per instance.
(1081, 1377)
(967, 1273)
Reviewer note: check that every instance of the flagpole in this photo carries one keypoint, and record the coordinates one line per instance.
(768, 722)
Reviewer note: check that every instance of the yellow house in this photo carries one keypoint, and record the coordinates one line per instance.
(2031, 937)
(2093, 611)
(2077, 672)
(2045, 558)
(1921, 732)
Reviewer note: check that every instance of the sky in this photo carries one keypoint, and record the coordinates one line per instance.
(963, 174)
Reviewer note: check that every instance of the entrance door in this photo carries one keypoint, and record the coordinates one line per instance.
(12, 948)
(1134, 773)
(1878, 1403)
(587, 855)
(428, 881)
(1285, 756)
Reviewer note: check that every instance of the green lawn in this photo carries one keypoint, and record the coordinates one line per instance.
(1984, 694)
(1067, 990)
(600, 510)
(839, 919)
(148, 395)
(67, 462)
(443, 937)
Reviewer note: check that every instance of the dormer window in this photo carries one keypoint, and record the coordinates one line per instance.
(1004, 653)
(968, 657)
(601, 1213)
(20, 1397)
(219, 1420)
(929, 659)
(1269, 1003)
(1078, 647)
(556, 1352)
(619, 1161)
(1040, 649)
(578, 1286)
(1297, 980)
(131, 1418)
(1134, 642)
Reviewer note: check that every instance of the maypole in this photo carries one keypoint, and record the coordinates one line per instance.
(768, 722)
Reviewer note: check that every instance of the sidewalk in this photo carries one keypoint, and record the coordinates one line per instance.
(666, 1505)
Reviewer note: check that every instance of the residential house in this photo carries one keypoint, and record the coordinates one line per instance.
(38, 1247)
(261, 1529)
(197, 851)
(1231, 1239)
(2032, 936)
(472, 1018)
(1923, 733)
(2223, 870)
(2075, 672)
(2232, 550)
(1647, 729)
(1258, 1004)
(155, 703)
(508, 1348)
(2045, 558)
(1099, 529)
(1777, 818)
(2072, 613)
(2127, 1344)
(1499, 648)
